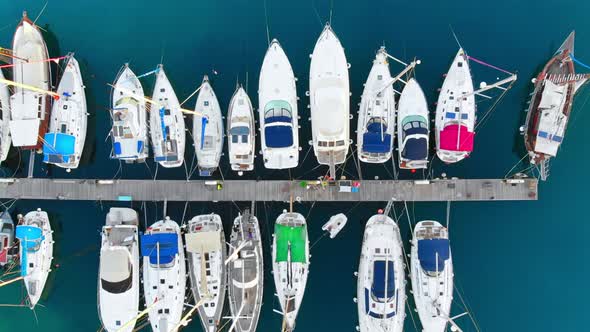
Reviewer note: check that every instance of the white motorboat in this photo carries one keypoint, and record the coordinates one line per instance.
(240, 130)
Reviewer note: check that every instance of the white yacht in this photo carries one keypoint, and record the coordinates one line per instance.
(432, 275)
(118, 284)
(413, 127)
(5, 139)
(206, 253)
(166, 123)
(36, 252)
(208, 129)
(376, 122)
(7, 248)
(164, 274)
(245, 274)
(290, 264)
(240, 130)
(329, 95)
(29, 110)
(278, 116)
(455, 112)
(129, 132)
(381, 294)
(64, 142)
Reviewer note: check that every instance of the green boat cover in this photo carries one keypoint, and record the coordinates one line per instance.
(297, 237)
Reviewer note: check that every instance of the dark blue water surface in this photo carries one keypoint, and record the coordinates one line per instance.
(522, 266)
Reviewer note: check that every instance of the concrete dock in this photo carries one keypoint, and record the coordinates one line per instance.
(265, 190)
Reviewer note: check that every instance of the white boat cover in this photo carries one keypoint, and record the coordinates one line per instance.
(202, 241)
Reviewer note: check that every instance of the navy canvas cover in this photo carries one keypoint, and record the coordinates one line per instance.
(375, 140)
(278, 136)
(379, 279)
(427, 254)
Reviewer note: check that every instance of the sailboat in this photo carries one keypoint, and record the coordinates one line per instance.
(455, 112)
(277, 100)
(240, 130)
(290, 264)
(329, 95)
(166, 124)
(432, 275)
(29, 109)
(413, 127)
(206, 251)
(5, 139)
(118, 284)
(208, 129)
(376, 122)
(164, 274)
(245, 273)
(550, 106)
(128, 112)
(64, 142)
(36, 252)
(381, 294)
(6, 238)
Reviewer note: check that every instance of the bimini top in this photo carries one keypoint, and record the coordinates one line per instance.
(58, 147)
(451, 133)
(415, 148)
(296, 237)
(375, 139)
(427, 253)
(168, 247)
(30, 238)
(381, 277)
(278, 132)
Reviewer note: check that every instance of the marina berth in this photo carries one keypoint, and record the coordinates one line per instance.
(30, 103)
(240, 132)
(164, 274)
(376, 119)
(166, 124)
(206, 253)
(413, 127)
(278, 114)
(64, 142)
(208, 130)
(329, 95)
(118, 284)
(36, 252)
(129, 132)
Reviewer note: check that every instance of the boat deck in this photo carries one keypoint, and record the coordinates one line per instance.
(279, 190)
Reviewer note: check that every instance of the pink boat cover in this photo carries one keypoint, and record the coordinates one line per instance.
(450, 134)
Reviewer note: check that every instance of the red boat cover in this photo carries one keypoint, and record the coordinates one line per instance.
(4, 256)
(450, 134)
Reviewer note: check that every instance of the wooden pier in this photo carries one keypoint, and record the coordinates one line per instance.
(266, 190)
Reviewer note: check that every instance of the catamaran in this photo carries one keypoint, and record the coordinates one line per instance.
(550, 106)
(206, 250)
(166, 123)
(413, 127)
(64, 142)
(277, 100)
(30, 108)
(290, 264)
(432, 275)
(240, 130)
(118, 284)
(376, 122)
(329, 95)
(245, 273)
(6, 238)
(381, 294)
(5, 139)
(36, 252)
(207, 129)
(164, 274)
(128, 112)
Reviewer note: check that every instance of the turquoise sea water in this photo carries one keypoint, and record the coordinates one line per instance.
(522, 266)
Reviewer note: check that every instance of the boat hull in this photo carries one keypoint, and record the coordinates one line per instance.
(413, 127)
(208, 136)
(240, 132)
(5, 139)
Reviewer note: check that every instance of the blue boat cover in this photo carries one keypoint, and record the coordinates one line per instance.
(372, 141)
(30, 237)
(427, 253)
(60, 145)
(379, 281)
(204, 122)
(139, 147)
(415, 149)
(117, 148)
(240, 130)
(273, 119)
(278, 136)
(162, 123)
(168, 243)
